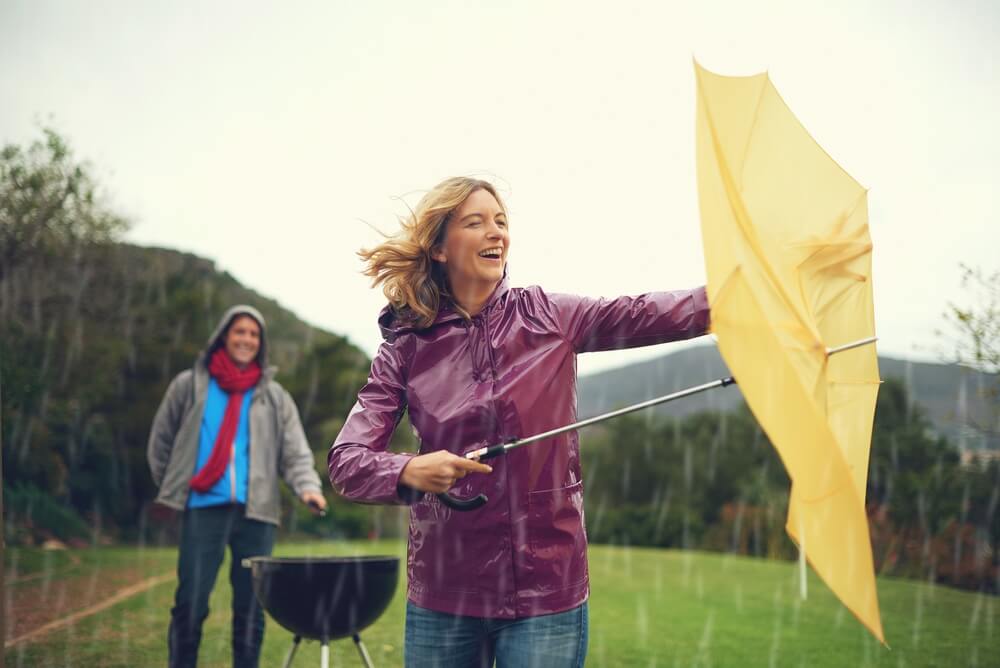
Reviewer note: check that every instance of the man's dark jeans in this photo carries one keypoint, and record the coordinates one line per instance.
(205, 532)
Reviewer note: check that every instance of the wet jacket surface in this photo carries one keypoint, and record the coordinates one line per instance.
(507, 373)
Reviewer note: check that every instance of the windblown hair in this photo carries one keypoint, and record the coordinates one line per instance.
(411, 280)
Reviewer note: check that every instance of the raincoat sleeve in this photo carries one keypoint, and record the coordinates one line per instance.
(298, 467)
(629, 322)
(166, 424)
(361, 467)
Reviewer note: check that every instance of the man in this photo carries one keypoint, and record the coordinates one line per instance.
(223, 434)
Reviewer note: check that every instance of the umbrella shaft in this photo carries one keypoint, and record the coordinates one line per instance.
(493, 451)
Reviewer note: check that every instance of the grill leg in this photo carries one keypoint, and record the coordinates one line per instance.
(291, 652)
(324, 654)
(362, 651)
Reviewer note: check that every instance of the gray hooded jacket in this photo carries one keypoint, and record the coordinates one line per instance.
(278, 444)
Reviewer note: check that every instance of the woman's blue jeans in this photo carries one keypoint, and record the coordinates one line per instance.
(205, 533)
(454, 641)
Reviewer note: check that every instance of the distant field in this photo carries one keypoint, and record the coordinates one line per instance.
(648, 608)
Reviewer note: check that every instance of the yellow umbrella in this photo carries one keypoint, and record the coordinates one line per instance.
(788, 257)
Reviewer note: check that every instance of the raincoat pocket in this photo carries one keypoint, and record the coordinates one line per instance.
(555, 528)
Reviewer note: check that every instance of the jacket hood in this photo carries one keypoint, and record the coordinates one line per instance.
(215, 340)
(393, 323)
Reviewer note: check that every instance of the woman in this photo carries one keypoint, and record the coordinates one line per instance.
(475, 363)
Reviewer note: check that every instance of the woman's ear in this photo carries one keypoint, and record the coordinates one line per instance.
(437, 254)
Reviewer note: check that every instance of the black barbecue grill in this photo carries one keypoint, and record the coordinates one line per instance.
(325, 598)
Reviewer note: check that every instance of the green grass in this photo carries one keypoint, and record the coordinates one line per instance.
(665, 608)
(648, 608)
(25, 565)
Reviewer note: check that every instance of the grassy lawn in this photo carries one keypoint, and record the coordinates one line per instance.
(648, 608)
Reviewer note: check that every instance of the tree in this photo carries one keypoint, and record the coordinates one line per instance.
(52, 221)
(49, 203)
(913, 475)
(975, 335)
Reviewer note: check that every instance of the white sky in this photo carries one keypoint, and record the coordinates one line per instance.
(262, 134)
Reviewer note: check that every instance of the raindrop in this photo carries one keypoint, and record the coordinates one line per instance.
(917, 618)
(911, 386)
(688, 466)
(626, 477)
(705, 643)
(736, 543)
(662, 516)
(976, 610)
(627, 558)
(962, 410)
(773, 653)
(642, 620)
(47, 570)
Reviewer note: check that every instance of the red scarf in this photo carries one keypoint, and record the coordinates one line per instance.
(235, 382)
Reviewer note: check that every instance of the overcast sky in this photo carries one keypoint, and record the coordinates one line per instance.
(268, 136)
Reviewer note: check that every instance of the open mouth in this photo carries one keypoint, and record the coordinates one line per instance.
(494, 254)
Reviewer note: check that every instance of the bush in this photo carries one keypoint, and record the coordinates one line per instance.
(32, 515)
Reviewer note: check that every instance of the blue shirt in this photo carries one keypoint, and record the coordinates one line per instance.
(232, 486)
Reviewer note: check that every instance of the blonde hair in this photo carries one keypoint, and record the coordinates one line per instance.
(411, 279)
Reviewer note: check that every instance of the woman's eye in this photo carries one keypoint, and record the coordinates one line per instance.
(502, 223)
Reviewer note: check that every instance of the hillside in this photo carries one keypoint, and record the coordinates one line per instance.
(90, 341)
(948, 393)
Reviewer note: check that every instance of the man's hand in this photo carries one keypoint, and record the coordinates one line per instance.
(315, 501)
(437, 472)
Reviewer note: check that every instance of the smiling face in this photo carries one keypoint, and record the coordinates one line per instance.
(476, 241)
(242, 340)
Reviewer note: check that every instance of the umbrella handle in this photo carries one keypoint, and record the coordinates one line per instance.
(479, 501)
(463, 504)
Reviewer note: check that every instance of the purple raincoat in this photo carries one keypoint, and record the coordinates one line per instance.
(508, 373)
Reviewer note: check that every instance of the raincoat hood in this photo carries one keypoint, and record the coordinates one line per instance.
(215, 340)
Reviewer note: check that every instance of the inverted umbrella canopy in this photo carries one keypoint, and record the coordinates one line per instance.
(788, 257)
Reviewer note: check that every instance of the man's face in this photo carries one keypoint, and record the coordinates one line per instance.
(243, 340)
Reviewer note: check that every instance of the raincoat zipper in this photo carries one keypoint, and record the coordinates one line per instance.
(512, 600)
(489, 352)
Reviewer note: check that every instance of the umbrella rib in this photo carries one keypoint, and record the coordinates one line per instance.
(836, 299)
(742, 217)
(852, 344)
(753, 125)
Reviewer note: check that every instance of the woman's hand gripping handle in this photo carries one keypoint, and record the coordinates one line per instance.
(437, 472)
